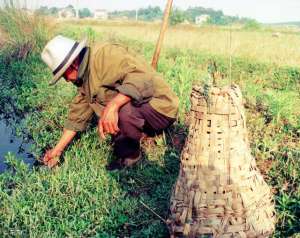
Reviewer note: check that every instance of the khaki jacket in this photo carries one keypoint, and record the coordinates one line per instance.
(108, 69)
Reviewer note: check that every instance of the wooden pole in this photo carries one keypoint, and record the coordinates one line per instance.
(162, 34)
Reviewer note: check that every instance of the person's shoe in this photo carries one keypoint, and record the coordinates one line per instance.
(123, 163)
(129, 162)
(115, 165)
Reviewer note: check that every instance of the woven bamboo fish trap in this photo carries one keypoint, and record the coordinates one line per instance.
(220, 191)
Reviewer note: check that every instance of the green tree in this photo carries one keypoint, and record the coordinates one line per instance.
(145, 14)
(217, 18)
(85, 12)
(53, 11)
(44, 10)
(127, 13)
(150, 13)
(177, 17)
(71, 7)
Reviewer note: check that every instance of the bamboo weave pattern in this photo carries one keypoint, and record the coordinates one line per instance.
(220, 191)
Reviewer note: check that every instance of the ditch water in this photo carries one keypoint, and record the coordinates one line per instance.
(9, 142)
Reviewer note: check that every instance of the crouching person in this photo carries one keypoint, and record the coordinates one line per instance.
(126, 94)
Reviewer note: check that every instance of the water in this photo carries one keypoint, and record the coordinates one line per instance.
(9, 142)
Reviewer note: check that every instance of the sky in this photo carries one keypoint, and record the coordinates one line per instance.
(266, 11)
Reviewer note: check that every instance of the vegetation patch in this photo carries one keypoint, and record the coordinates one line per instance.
(81, 198)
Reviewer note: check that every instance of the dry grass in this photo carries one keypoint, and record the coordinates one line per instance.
(3, 38)
(23, 33)
(254, 45)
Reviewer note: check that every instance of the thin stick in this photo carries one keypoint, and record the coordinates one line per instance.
(151, 210)
(230, 53)
(162, 34)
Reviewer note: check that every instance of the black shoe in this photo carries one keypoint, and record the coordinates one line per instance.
(115, 165)
(123, 163)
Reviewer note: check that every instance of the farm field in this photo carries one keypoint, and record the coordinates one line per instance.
(80, 198)
(260, 45)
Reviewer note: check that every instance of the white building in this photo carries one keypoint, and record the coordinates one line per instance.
(199, 20)
(101, 14)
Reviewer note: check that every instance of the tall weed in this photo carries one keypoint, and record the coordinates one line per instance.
(25, 32)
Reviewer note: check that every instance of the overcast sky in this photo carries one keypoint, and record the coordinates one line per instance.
(262, 10)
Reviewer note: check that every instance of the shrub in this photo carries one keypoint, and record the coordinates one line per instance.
(252, 25)
(177, 17)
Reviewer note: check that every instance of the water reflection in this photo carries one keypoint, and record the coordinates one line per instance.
(9, 142)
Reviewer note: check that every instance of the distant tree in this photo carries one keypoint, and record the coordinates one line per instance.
(231, 19)
(85, 12)
(252, 25)
(72, 8)
(216, 17)
(150, 13)
(177, 16)
(145, 14)
(53, 11)
(130, 14)
(193, 12)
(44, 10)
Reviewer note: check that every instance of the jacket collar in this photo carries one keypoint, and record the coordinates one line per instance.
(84, 64)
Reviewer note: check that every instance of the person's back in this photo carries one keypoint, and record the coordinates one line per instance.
(114, 68)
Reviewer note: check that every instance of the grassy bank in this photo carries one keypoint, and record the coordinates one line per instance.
(81, 198)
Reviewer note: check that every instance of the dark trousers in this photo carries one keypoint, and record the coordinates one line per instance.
(133, 122)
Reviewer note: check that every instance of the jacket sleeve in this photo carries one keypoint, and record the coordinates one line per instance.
(138, 86)
(79, 115)
(124, 72)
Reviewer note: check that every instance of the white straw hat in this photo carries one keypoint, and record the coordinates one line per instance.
(59, 53)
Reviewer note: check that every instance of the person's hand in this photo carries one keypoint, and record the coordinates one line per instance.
(108, 122)
(51, 158)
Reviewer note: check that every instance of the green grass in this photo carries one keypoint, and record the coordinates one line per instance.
(81, 198)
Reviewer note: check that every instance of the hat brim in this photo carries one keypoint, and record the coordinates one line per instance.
(76, 52)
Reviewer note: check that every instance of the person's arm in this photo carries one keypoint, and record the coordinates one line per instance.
(138, 86)
(64, 141)
(80, 114)
(108, 122)
(135, 76)
(134, 83)
(51, 157)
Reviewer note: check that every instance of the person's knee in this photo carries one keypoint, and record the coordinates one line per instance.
(125, 114)
(130, 122)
